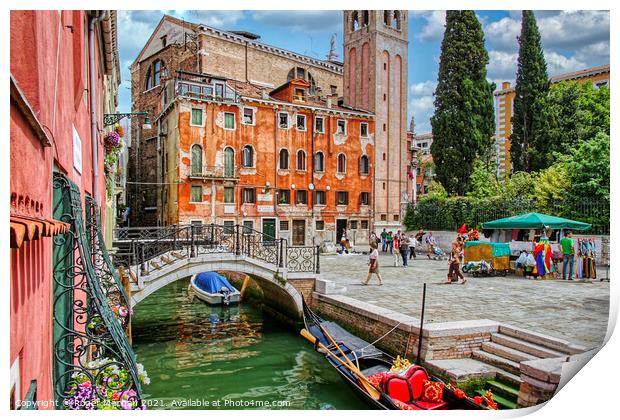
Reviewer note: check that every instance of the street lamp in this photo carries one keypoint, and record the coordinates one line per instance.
(111, 119)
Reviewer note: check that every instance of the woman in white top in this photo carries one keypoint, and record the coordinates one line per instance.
(373, 263)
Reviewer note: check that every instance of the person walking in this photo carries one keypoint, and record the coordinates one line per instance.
(454, 268)
(430, 242)
(344, 241)
(404, 249)
(412, 242)
(373, 266)
(373, 240)
(390, 241)
(395, 249)
(384, 242)
(567, 248)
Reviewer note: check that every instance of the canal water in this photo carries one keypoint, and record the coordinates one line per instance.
(203, 357)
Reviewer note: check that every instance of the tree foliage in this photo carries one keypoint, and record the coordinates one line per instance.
(463, 123)
(483, 181)
(530, 138)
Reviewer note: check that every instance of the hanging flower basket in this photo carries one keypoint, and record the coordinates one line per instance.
(119, 129)
(112, 139)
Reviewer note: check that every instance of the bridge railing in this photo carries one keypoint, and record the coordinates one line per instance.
(189, 241)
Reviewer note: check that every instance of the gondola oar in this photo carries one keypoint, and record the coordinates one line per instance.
(374, 393)
(326, 333)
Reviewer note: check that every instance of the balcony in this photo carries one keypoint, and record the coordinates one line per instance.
(214, 172)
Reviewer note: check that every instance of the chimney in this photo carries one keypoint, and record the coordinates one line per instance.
(506, 85)
(264, 94)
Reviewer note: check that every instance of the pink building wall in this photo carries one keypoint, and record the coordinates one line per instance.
(49, 62)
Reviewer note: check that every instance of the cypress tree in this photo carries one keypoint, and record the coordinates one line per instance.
(530, 139)
(463, 123)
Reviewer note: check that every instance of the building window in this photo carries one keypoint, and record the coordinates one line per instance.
(219, 90)
(248, 227)
(247, 155)
(384, 156)
(396, 217)
(229, 195)
(353, 224)
(384, 127)
(320, 198)
(229, 227)
(301, 73)
(364, 129)
(164, 41)
(283, 120)
(284, 225)
(364, 224)
(600, 84)
(301, 197)
(319, 162)
(157, 65)
(299, 94)
(196, 167)
(284, 197)
(197, 117)
(318, 125)
(365, 18)
(249, 196)
(342, 198)
(355, 24)
(365, 199)
(396, 20)
(320, 225)
(249, 115)
(283, 159)
(301, 122)
(342, 163)
(229, 162)
(386, 17)
(196, 195)
(364, 165)
(229, 120)
(301, 160)
(341, 127)
(384, 217)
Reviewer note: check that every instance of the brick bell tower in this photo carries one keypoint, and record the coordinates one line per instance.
(375, 79)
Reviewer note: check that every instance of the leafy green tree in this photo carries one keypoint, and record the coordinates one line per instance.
(436, 190)
(580, 112)
(463, 123)
(531, 133)
(588, 167)
(552, 185)
(519, 186)
(483, 181)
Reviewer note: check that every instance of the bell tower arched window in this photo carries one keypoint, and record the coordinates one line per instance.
(396, 19)
(364, 18)
(355, 21)
(386, 17)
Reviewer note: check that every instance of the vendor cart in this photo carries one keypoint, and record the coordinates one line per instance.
(486, 258)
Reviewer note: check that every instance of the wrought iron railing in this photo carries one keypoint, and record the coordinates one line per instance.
(94, 365)
(213, 171)
(189, 241)
(102, 263)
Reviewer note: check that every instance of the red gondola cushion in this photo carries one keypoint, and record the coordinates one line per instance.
(378, 378)
(432, 392)
(407, 387)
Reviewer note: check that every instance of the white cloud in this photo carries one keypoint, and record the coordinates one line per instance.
(421, 104)
(434, 27)
(558, 63)
(301, 20)
(216, 18)
(423, 88)
(502, 65)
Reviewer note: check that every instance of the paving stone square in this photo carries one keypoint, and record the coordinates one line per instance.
(573, 311)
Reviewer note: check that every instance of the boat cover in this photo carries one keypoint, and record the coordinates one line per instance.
(212, 282)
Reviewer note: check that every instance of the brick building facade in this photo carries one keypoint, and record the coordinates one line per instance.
(258, 75)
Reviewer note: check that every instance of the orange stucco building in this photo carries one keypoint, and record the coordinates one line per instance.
(504, 109)
(280, 161)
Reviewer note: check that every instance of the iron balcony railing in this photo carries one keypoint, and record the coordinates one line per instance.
(214, 172)
(189, 241)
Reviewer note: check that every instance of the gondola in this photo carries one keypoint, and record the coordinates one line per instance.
(339, 347)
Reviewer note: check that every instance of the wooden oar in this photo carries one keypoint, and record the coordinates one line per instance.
(324, 331)
(374, 393)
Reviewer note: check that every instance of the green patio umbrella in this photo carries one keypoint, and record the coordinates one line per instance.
(535, 221)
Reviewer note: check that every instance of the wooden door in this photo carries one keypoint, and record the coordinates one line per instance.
(299, 232)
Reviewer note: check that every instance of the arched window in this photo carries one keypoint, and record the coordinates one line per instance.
(301, 73)
(248, 156)
(301, 160)
(283, 159)
(396, 19)
(196, 160)
(149, 80)
(364, 165)
(157, 65)
(342, 163)
(355, 21)
(386, 17)
(229, 162)
(319, 162)
(364, 18)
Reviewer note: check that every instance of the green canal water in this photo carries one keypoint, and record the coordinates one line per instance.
(203, 357)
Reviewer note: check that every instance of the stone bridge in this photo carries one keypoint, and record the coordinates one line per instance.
(156, 257)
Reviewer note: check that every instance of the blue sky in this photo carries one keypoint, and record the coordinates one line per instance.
(572, 40)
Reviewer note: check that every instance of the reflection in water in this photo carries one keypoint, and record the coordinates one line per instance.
(230, 356)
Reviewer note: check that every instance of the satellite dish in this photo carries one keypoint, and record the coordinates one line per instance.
(311, 186)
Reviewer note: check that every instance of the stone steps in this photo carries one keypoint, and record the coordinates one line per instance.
(525, 346)
(503, 390)
(541, 340)
(501, 401)
(507, 352)
(507, 365)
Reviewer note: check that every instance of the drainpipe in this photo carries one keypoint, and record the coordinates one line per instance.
(99, 17)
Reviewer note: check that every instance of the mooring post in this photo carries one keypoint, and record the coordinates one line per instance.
(419, 355)
(318, 260)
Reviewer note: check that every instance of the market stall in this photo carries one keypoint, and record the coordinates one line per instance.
(488, 258)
